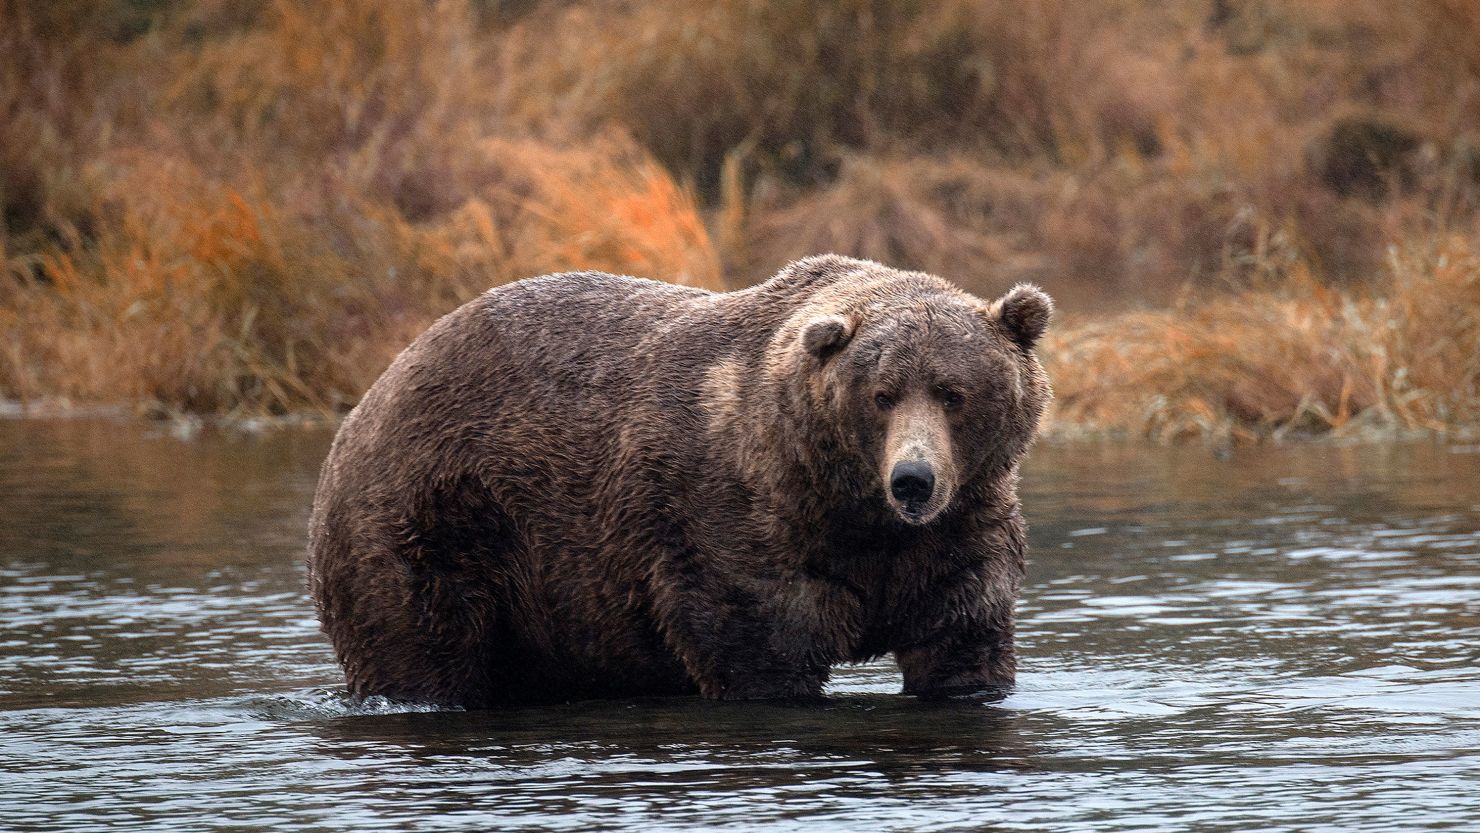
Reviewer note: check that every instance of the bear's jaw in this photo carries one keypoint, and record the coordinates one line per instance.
(913, 520)
(917, 515)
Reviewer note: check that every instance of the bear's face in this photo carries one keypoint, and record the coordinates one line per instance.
(930, 391)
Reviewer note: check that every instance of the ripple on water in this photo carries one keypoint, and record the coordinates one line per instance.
(318, 704)
(1284, 640)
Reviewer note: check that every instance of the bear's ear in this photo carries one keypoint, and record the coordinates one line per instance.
(1024, 313)
(826, 335)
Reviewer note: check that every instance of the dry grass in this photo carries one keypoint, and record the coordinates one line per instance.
(248, 207)
(326, 201)
(196, 294)
(1304, 359)
(790, 87)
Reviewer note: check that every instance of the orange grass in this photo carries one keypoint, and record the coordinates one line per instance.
(1303, 359)
(332, 183)
(249, 207)
(203, 296)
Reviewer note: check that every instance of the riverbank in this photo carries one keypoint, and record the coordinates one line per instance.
(1398, 359)
(1304, 361)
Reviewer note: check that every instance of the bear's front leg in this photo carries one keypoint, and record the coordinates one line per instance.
(976, 658)
(782, 685)
(745, 660)
(763, 640)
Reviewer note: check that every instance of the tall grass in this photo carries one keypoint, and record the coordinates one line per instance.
(249, 207)
(791, 85)
(318, 186)
(1303, 359)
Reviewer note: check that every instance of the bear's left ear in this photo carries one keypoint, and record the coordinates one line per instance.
(826, 335)
(1024, 313)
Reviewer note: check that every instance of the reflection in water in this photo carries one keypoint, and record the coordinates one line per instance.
(1288, 638)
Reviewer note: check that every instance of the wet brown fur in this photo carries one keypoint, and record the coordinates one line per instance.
(582, 485)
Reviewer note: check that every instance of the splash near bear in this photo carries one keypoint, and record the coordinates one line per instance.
(582, 485)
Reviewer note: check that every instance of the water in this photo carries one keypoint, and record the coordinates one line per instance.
(1289, 639)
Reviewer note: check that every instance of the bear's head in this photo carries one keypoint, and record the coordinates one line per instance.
(926, 388)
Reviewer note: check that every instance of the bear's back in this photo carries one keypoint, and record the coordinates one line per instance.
(541, 365)
(567, 336)
(574, 328)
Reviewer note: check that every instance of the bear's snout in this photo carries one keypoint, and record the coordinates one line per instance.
(918, 473)
(912, 482)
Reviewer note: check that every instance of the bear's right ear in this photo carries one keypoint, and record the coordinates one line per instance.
(826, 335)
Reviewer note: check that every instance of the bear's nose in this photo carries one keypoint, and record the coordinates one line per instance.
(912, 481)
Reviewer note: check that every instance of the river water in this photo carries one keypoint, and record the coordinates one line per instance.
(1288, 639)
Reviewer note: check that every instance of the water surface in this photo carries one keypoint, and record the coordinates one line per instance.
(1287, 639)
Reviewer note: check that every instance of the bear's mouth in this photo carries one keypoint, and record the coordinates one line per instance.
(915, 514)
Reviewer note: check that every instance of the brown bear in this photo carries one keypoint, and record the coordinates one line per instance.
(583, 485)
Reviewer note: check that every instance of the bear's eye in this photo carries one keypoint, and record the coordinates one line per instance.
(951, 399)
(884, 401)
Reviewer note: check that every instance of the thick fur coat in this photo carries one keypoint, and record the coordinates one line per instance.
(583, 485)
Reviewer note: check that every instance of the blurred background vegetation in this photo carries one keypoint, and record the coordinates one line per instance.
(1259, 217)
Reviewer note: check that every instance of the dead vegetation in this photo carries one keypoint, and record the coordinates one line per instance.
(1303, 359)
(1260, 216)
